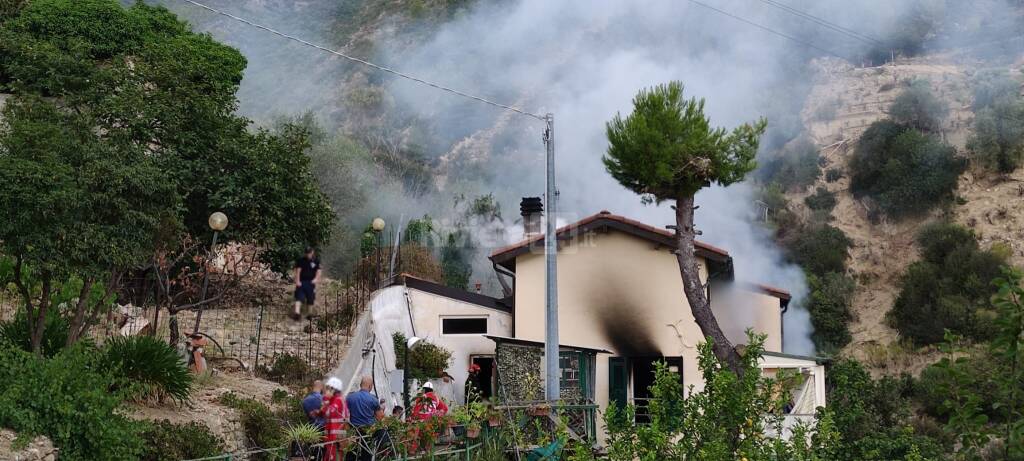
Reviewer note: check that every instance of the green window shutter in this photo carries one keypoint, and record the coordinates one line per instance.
(618, 380)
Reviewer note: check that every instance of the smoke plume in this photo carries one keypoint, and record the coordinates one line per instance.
(583, 61)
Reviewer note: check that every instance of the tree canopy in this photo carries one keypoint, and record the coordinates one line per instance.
(667, 147)
(904, 170)
(120, 139)
(143, 80)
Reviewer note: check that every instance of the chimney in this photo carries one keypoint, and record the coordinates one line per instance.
(531, 208)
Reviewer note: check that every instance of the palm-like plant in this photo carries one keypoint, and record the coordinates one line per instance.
(145, 367)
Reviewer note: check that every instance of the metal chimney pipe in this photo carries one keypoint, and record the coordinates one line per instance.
(531, 210)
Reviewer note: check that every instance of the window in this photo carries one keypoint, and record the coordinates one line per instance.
(464, 326)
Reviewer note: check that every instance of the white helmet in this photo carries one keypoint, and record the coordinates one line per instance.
(428, 385)
(334, 383)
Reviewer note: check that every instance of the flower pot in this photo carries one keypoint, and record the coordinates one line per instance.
(540, 411)
(472, 432)
(494, 421)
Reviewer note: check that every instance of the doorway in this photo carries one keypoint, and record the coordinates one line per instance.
(630, 379)
(485, 379)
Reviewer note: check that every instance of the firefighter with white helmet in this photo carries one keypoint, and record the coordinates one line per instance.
(335, 418)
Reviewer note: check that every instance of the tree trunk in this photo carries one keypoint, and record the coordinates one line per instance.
(80, 311)
(689, 270)
(40, 322)
(172, 327)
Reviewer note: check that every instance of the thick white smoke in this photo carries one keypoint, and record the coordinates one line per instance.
(584, 61)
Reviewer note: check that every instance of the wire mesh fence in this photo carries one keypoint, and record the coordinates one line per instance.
(257, 337)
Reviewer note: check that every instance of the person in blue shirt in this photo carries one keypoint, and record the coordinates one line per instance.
(363, 407)
(312, 404)
(364, 411)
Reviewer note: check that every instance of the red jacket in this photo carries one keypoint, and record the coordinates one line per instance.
(335, 419)
(427, 406)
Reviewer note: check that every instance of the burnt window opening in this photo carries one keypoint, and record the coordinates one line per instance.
(464, 326)
(569, 365)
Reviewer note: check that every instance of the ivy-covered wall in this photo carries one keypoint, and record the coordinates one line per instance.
(519, 372)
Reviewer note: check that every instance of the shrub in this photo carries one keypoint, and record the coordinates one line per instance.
(917, 107)
(998, 139)
(932, 387)
(288, 369)
(9, 8)
(147, 367)
(456, 254)
(55, 333)
(793, 167)
(727, 419)
(427, 361)
(166, 441)
(873, 417)
(948, 289)
(779, 215)
(993, 86)
(821, 200)
(829, 306)
(903, 170)
(833, 175)
(262, 428)
(820, 249)
(66, 398)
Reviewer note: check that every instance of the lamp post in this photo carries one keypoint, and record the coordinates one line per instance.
(218, 222)
(409, 345)
(378, 228)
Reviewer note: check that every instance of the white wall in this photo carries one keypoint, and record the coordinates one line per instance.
(428, 309)
(390, 311)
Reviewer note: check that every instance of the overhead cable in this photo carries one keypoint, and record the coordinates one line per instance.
(367, 63)
(824, 23)
(767, 29)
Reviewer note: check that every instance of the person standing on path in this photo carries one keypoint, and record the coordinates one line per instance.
(307, 275)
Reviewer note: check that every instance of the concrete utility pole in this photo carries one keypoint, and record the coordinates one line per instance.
(552, 374)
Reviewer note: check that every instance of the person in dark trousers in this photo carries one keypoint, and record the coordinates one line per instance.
(307, 275)
(364, 411)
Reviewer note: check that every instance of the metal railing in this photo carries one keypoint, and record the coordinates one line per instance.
(283, 453)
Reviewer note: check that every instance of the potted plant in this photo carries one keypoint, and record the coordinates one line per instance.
(492, 414)
(302, 437)
(540, 409)
(458, 420)
(473, 429)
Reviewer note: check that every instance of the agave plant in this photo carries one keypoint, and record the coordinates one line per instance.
(304, 434)
(145, 367)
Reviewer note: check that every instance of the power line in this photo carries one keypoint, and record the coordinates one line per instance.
(767, 29)
(829, 25)
(368, 63)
